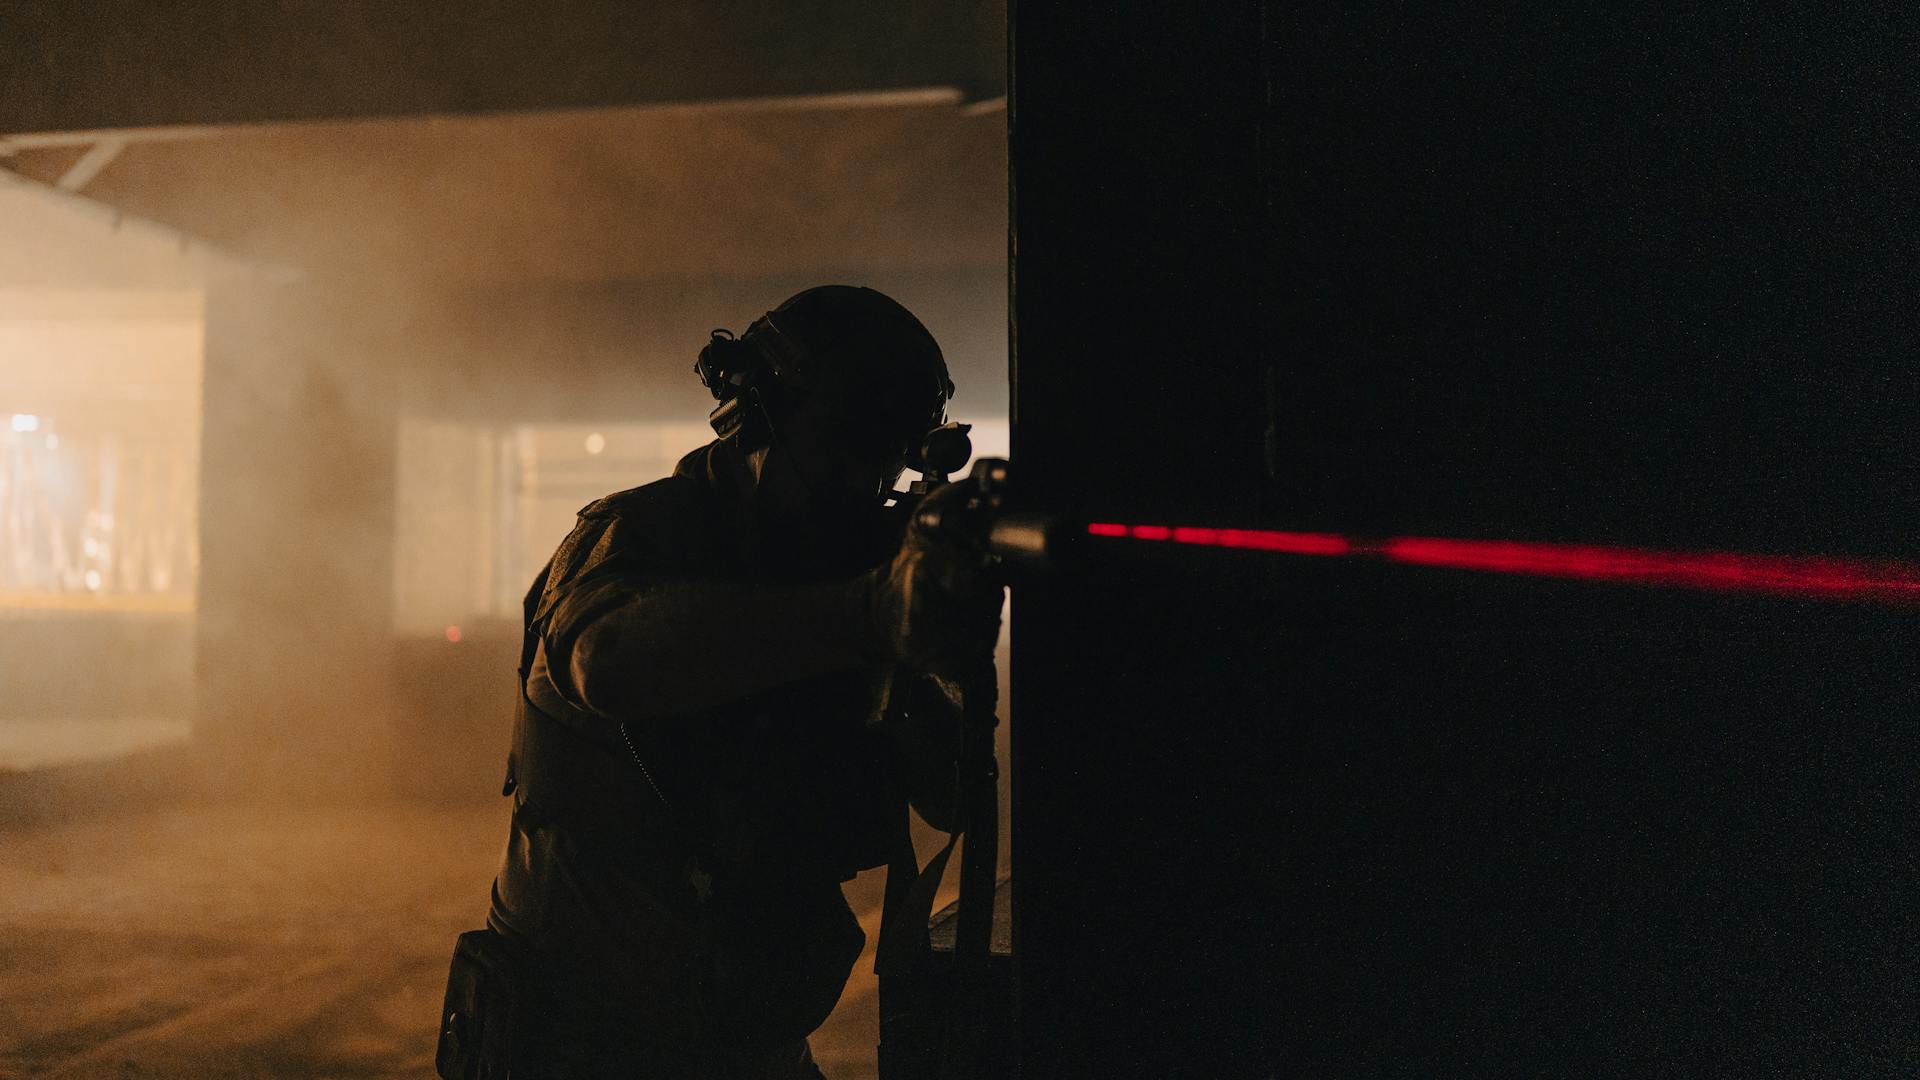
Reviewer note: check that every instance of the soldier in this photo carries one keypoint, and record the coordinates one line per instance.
(696, 765)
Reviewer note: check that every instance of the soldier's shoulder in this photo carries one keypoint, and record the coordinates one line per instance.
(658, 528)
(665, 499)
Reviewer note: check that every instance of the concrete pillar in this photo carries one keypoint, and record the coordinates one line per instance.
(296, 527)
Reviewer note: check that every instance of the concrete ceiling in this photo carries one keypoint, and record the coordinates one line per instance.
(899, 181)
(82, 65)
(548, 201)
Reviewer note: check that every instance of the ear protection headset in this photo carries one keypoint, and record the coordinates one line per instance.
(748, 376)
(744, 374)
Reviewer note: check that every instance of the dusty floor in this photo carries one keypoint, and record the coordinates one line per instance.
(229, 942)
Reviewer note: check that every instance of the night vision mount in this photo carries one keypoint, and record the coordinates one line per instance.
(741, 372)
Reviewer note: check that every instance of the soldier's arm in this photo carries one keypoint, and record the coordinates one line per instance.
(632, 645)
(663, 648)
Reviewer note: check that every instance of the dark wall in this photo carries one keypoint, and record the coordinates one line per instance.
(1138, 749)
(1626, 274)
(1607, 278)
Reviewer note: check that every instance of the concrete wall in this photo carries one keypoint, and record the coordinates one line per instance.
(296, 530)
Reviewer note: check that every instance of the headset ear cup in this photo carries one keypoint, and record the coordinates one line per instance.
(727, 418)
(732, 370)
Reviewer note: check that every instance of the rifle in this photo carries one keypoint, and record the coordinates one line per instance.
(904, 948)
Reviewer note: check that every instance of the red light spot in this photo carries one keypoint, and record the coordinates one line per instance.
(1106, 529)
(1150, 532)
(453, 634)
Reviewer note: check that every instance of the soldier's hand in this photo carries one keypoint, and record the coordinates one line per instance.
(935, 607)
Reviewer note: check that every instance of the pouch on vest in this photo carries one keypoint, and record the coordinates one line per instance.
(477, 1019)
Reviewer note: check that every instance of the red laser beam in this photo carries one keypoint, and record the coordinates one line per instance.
(1293, 543)
(1810, 577)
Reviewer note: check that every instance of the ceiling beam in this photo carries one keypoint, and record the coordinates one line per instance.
(53, 139)
(98, 157)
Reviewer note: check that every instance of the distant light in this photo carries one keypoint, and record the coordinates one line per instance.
(93, 580)
(25, 422)
(90, 546)
(596, 442)
(453, 634)
(53, 441)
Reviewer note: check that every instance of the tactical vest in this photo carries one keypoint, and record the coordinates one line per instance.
(794, 781)
(741, 823)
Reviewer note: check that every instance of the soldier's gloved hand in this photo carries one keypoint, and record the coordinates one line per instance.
(935, 608)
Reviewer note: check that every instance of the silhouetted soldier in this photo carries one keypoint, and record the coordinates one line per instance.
(696, 768)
